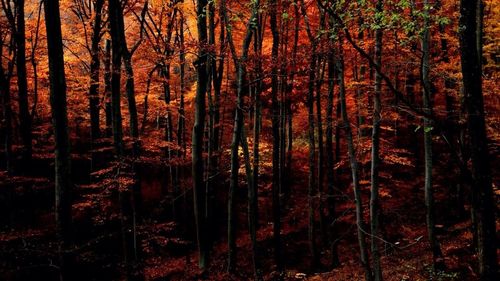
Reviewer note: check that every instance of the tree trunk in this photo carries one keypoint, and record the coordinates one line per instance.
(95, 131)
(375, 163)
(197, 138)
(60, 124)
(117, 52)
(132, 107)
(470, 37)
(355, 171)
(5, 77)
(22, 84)
(276, 140)
(107, 89)
(330, 160)
(427, 104)
(239, 137)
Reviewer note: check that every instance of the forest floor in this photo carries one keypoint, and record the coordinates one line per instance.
(28, 249)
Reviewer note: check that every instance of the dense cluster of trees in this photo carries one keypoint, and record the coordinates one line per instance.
(340, 78)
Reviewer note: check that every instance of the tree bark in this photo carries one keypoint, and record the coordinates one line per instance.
(470, 38)
(22, 84)
(197, 136)
(355, 171)
(95, 131)
(117, 52)
(427, 104)
(60, 125)
(375, 163)
(276, 140)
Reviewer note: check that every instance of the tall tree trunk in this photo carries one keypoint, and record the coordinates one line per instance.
(330, 159)
(107, 88)
(132, 107)
(375, 163)
(95, 131)
(60, 124)
(355, 171)
(117, 52)
(5, 76)
(312, 191)
(276, 140)
(197, 138)
(470, 37)
(239, 137)
(22, 83)
(427, 104)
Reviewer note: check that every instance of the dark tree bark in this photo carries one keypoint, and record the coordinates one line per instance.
(330, 160)
(5, 77)
(375, 163)
(199, 193)
(117, 52)
(22, 83)
(60, 125)
(239, 137)
(354, 169)
(95, 131)
(470, 37)
(107, 89)
(427, 105)
(276, 140)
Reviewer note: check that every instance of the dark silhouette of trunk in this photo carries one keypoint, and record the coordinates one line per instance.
(95, 131)
(107, 88)
(276, 139)
(375, 157)
(117, 52)
(312, 191)
(199, 196)
(253, 192)
(288, 101)
(60, 125)
(34, 62)
(470, 38)
(354, 169)
(22, 83)
(5, 77)
(330, 161)
(130, 90)
(127, 196)
(239, 137)
(360, 76)
(427, 106)
(321, 172)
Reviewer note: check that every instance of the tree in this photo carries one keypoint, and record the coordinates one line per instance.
(375, 155)
(95, 131)
(115, 18)
(197, 136)
(276, 140)
(5, 78)
(470, 38)
(14, 11)
(60, 126)
(427, 105)
(239, 138)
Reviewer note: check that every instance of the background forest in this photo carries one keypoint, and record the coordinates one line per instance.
(238, 140)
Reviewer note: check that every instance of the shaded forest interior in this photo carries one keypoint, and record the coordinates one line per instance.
(249, 140)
